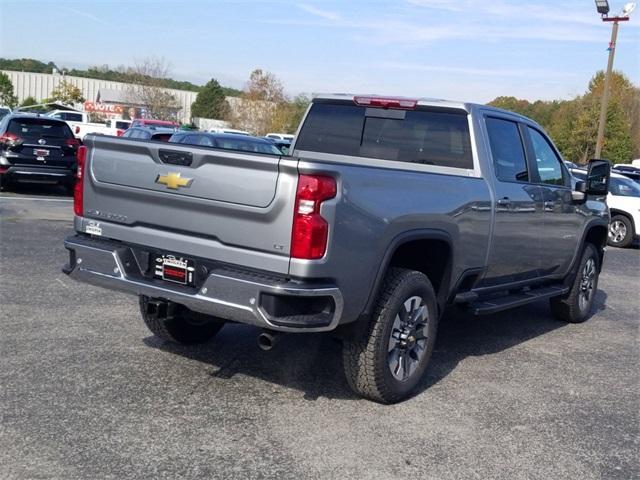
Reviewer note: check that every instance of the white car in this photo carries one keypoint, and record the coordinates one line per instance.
(229, 130)
(80, 123)
(624, 205)
(279, 136)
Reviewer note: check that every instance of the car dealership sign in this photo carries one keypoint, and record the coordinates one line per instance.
(110, 108)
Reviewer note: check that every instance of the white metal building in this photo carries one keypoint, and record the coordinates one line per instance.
(40, 85)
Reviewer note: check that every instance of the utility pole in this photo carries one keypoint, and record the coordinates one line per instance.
(603, 8)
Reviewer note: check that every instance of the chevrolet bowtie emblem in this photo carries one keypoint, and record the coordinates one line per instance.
(174, 181)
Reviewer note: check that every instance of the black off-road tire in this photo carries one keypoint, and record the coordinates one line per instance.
(185, 326)
(567, 307)
(628, 238)
(365, 353)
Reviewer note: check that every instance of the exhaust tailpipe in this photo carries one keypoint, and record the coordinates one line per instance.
(267, 340)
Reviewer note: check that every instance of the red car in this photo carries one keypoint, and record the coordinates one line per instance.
(147, 122)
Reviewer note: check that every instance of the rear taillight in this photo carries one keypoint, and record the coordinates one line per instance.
(386, 102)
(78, 188)
(310, 230)
(77, 129)
(72, 142)
(9, 140)
(119, 132)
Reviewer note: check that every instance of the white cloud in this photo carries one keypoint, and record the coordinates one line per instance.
(88, 15)
(317, 12)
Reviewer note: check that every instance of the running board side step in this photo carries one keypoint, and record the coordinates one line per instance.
(486, 307)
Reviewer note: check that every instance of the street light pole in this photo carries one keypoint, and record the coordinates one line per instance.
(607, 80)
(603, 9)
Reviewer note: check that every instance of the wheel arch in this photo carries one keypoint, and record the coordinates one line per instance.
(615, 211)
(429, 251)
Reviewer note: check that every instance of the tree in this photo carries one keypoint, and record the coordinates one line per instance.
(147, 89)
(6, 91)
(573, 124)
(67, 93)
(260, 103)
(210, 102)
(287, 115)
(29, 101)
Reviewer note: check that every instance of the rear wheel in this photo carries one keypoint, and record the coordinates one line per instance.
(386, 361)
(620, 231)
(575, 306)
(183, 326)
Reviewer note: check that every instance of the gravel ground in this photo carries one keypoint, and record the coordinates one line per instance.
(86, 392)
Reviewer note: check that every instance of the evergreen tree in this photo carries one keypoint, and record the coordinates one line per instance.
(210, 102)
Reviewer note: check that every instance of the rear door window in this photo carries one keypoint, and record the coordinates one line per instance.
(507, 150)
(415, 136)
(38, 127)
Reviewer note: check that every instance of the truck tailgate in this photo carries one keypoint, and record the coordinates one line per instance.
(233, 199)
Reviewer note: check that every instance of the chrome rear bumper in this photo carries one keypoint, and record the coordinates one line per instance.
(238, 296)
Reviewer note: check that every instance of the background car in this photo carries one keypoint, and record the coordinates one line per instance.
(280, 136)
(36, 149)
(230, 130)
(628, 171)
(624, 204)
(149, 133)
(227, 141)
(283, 145)
(4, 111)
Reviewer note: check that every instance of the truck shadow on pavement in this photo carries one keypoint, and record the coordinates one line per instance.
(312, 363)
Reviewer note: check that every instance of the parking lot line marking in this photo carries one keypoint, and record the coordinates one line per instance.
(43, 199)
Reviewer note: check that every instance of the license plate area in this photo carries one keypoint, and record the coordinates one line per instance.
(41, 153)
(175, 269)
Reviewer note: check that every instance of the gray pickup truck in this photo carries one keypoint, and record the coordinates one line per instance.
(386, 211)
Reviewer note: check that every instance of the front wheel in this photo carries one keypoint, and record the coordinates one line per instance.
(184, 326)
(620, 232)
(386, 361)
(575, 306)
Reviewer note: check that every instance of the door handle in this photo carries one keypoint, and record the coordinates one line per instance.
(503, 202)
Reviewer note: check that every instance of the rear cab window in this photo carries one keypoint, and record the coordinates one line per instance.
(39, 127)
(438, 137)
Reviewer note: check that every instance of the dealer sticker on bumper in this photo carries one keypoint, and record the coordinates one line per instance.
(93, 228)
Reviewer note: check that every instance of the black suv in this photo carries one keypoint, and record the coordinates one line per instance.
(37, 149)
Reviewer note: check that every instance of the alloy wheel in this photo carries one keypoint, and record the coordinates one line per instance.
(587, 282)
(617, 231)
(408, 338)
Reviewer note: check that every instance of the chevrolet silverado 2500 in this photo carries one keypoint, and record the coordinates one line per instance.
(386, 211)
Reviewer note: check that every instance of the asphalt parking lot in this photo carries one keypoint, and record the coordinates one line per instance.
(87, 392)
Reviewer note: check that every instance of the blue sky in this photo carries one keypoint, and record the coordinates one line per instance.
(460, 49)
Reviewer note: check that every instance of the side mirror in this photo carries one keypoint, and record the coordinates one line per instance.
(579, 192)
(598, 177)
